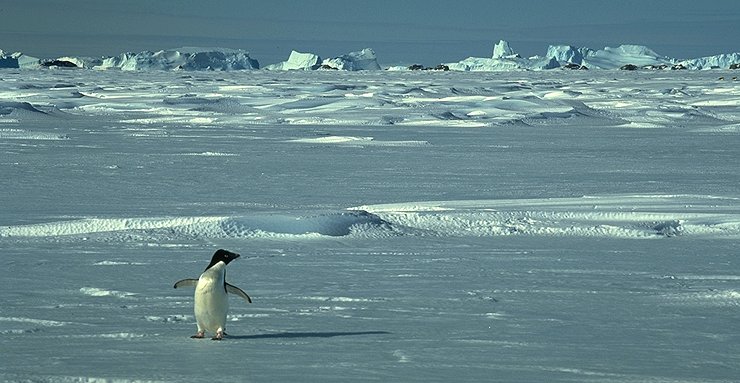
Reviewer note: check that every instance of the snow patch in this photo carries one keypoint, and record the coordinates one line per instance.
(97, 292)
(22, 134)
(357, 141)
(40, 322)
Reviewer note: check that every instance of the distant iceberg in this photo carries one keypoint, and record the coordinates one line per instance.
(220, 59)
(504, 59)
(568, 54)
(18, 60)
(353, 61)
(298, 61)
(502, 50)
(722, 61)
(615, 58)
(625, 56)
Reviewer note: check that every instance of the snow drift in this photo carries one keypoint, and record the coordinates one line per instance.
(649, 216)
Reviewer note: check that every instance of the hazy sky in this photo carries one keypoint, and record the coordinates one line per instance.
(400, 31)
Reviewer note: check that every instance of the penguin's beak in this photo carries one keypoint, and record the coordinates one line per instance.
(236, 256)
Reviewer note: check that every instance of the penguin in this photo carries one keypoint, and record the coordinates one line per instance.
(210, 300)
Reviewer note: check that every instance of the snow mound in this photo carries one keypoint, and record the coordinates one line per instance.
(22, 109)
(609, 217)
(330, 224)
(183, 59)
(615, 217)
(357, 223)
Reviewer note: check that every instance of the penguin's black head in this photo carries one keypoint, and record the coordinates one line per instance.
(222, 255)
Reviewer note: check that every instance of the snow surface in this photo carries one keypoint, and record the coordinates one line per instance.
(394, 226)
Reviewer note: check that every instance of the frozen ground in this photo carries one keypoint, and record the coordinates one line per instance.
(513, 227)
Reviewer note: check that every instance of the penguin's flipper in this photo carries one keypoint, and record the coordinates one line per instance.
(190, 282)
(235, 290)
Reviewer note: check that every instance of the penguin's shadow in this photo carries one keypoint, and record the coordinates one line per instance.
(287, 335)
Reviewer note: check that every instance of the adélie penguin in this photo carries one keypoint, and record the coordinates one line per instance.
(211, 299)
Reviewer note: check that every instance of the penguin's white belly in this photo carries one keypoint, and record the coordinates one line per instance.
(211, 304)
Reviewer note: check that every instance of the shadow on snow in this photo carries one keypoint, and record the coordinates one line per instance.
(306, 335)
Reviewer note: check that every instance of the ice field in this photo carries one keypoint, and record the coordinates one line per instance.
(560, 226)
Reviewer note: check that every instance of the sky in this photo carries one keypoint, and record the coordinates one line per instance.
(400, 31)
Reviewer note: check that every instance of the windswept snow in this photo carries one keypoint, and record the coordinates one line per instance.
(608, 217)
(553, 226)
(147, 107)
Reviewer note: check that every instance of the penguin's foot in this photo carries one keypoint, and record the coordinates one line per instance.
(219, 335)
(199, 335)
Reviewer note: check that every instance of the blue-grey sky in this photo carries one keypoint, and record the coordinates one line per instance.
(400, 31)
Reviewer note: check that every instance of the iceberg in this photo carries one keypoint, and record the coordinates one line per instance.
(353, 61)
(504, 59)
(17, 60)
(615, 58)
(627, 56)
(503, 50)
(298, 61)
(722, 61)
(182, 59)
(568, 54)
